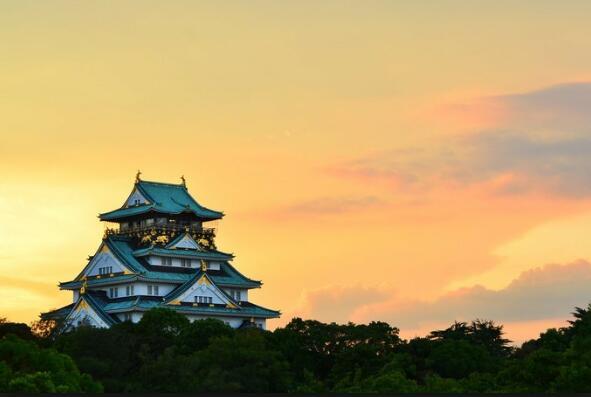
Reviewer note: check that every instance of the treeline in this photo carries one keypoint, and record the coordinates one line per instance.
(165, 352)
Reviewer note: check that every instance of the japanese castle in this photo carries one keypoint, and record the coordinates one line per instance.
(160, 252)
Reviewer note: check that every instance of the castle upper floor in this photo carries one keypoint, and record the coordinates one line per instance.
(160, 202)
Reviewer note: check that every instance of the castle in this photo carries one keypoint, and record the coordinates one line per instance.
(160, 252)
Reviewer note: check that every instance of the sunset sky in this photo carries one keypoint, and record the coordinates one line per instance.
(410, 162)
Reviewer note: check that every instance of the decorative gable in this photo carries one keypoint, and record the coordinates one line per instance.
(84, 314)
(185, 242)
(104, 262)
(136, 198)
(203, 288)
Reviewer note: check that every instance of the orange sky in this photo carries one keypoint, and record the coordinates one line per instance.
(406, 162)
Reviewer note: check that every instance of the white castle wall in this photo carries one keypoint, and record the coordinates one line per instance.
(233, 322)
(176, 262)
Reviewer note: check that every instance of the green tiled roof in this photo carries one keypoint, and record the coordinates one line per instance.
(123, 250)
(248, 311)
(97, 305)
(234, 277)
(229, 279)
(106, 308)
(62, 312)
(95, 282)
(208, 255)
(130, 304)
(141, 303)
(164, 198)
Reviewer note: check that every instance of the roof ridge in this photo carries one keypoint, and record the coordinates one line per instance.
(179, 185)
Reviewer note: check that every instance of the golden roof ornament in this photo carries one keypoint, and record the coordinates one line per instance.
(183, 181)
(137, 176)
(203, 265)
(84, 286)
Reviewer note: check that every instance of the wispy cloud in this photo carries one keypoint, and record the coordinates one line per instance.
(542, 293)
(543, 145)
(560, 109)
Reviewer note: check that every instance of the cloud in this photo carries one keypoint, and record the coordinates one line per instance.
(338, 303)
(547, 292)
(543, 145)
(541, 297)
(560, 109)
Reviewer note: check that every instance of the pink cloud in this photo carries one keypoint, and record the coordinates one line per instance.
(536, 299)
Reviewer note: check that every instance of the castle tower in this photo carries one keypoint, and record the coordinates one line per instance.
(161, 252)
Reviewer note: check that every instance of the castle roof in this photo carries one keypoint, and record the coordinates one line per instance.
(194, 254)
(123, 250)
(164, 198)
(107, 307)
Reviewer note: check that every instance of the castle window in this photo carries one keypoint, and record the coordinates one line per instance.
(113, 292)
(129, 290)
(153, 290)
(126, 316)
(136, 202)
(203, 299)
(186, 262)
(105, 270)
(166, 261)
(236, 295)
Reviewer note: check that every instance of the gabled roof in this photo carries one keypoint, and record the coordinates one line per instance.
(96, 304)
(122, 249)
(119, 251)
(165, 198)
(184, 241)
(178, 292)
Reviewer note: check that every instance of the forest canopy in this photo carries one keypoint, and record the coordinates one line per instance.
(165, 352)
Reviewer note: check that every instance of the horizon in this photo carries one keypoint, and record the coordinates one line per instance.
(378, 162)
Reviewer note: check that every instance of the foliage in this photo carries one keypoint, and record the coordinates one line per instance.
(25, 367)
(165, 352)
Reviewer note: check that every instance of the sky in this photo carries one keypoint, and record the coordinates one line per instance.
(410, 162)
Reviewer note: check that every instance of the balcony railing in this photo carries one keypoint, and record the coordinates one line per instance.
(162, 234)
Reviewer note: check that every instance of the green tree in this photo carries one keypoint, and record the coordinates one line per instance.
(196, 335)
(243, 362)
(28, 368)
(18, 329)
(109, 355)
